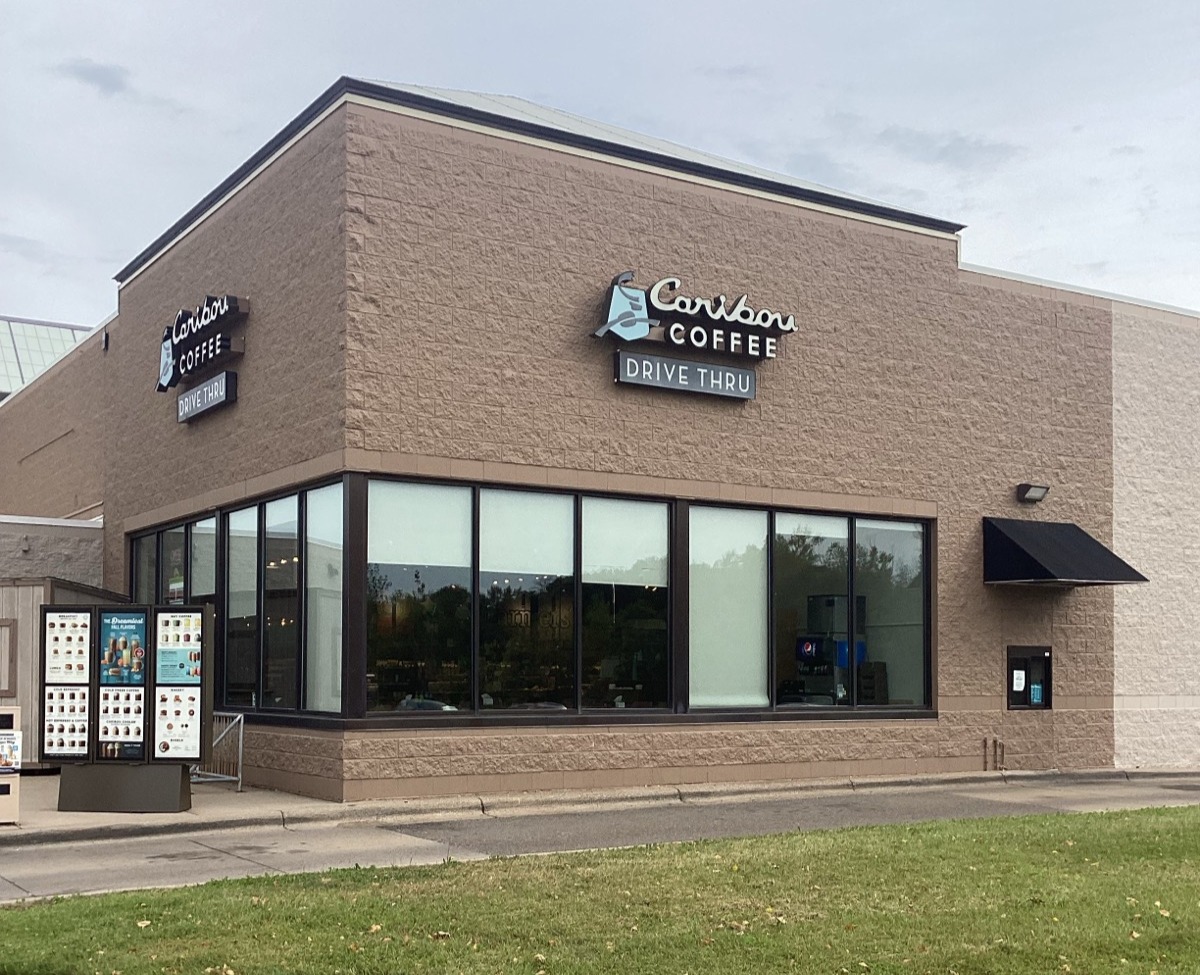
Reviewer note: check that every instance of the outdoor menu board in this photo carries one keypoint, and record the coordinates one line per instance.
(177, 722)
(66, 721)
(177, 648)
(178, 698)
(121, 719)
(68, 652)
(122, 647)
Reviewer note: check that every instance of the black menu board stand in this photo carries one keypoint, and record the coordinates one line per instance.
(127, 704)
(125, 788)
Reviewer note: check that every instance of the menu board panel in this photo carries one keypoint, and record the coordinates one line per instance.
(177, 721)
(121, 721)
(178, 650)
(65, 717)
(68, 641)
(10, 751)
(122, 648)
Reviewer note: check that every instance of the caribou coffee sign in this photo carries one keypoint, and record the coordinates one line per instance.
(199, 338)
(718, 326)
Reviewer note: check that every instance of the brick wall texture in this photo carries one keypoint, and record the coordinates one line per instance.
(1156, 523)
(65, 552)
(423, 300)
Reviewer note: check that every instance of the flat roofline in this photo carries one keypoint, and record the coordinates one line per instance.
(992, 272)
(52, 522)
(345, 87)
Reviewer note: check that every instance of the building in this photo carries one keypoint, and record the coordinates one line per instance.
(29, 347)
(515, 451)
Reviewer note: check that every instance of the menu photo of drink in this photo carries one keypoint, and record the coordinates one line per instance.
(122, 648)
(68, 642)
(178, 652)
(65, 713)
(177, 722)
(121, 720)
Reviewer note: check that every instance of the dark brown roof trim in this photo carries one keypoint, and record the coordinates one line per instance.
(382, 93)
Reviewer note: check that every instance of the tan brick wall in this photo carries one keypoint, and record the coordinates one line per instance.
(1156, 457)
(278, 243)
(52, 438)
(423, 299)
(477, 268)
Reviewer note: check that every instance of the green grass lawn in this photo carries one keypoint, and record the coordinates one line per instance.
(1098, 893)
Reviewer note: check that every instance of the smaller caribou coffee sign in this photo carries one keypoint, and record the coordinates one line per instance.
(712, 326)
(199, 338)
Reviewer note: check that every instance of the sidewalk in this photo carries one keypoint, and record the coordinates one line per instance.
(219, 806)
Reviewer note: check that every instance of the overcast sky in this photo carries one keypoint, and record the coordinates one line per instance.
(1065, 135)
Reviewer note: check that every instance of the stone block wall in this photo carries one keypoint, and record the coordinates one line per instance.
(37, 547)
(1156, 460)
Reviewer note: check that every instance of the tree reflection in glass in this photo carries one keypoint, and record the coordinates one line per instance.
(526, 600)
(418, 597)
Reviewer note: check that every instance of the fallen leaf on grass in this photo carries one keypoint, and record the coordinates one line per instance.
(376, 927)
(439, 935)
(143, 924)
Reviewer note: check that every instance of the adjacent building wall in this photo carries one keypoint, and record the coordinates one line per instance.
(66, 549)
(1156, 457)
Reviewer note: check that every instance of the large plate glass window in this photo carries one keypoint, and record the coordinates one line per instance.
(889, 577)
(241, 609)
(811, 580)
(281, 604)
(418, 597)
(323, 599)
(172, 569)
(202, 560)
(526, 600)
(728, 608)
(625, 641)
(145, 569)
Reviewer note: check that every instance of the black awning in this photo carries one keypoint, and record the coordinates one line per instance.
(1049, 553)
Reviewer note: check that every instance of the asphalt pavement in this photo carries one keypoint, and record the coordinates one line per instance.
(260, 832)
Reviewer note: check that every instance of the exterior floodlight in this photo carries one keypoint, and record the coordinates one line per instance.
(1030, 493)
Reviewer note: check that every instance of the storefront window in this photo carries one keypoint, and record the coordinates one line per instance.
(728, 608)
(203, 561)
(145, 568)
(281, 604)
(889, 578)
(811, 579)
(241, 613)
(526, 600)
(323, 599)
(174, 551)
(418, 597)
(625, 642)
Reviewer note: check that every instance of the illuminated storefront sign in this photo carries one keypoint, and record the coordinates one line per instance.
(199, 338)
(713, 326)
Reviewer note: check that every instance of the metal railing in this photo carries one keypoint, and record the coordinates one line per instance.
(225, 764)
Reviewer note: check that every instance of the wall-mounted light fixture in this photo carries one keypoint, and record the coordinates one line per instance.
(1030, 493)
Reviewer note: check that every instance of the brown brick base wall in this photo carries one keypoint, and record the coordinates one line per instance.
(425, 762)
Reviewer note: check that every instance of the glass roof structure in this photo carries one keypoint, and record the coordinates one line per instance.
(29, 347)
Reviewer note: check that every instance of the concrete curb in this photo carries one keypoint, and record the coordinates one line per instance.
(394, 812)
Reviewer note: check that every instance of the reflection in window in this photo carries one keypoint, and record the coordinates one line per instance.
(145, 569)
(812, 654)
(323, 599)
(624, 604)
(241, 614)
(418, 597)
(281, 604)
(889, 577)
(728, 608)
(203, 575)
(171, 569)
(526, 600)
